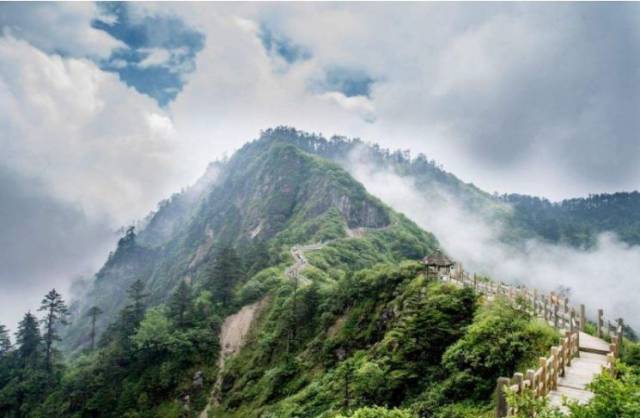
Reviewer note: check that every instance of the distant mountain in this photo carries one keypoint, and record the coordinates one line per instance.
(578, 221)
(575, 222)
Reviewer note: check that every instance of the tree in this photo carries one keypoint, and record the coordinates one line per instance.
(180, 304)
(379, 412)
(129, 238)
(154, 331)
(28, 340)
(5, 341)
(224, 274)
(256, 257)
(346, 371)
(56, 314)
(137, 297)
(93, 313)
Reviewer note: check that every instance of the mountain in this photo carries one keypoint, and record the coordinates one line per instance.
(578, 221)
(277, 286)
(269, 193)
(575, 222)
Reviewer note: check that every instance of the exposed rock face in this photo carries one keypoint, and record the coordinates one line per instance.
(361, 214)
(270, 189)
(233, 335)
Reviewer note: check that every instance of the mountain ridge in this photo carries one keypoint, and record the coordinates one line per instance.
(265, 192)
(362, 325)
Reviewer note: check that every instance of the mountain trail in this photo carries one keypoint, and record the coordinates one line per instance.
(294, 271)
(236, 327)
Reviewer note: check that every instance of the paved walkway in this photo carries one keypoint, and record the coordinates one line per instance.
(294, 272)
(573, 385)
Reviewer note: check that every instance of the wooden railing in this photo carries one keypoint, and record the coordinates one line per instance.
(557, 312)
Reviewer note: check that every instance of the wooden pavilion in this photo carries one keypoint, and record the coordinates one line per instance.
(437, 263)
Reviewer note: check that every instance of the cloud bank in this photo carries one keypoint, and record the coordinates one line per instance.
(528, 98)
(601, 278)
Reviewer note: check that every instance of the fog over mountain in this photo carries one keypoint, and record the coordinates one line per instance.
(610, 267)
(107, 109)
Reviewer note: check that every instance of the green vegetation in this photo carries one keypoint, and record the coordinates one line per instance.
(577, 221)
(359, 333)
(615, 397)
(379, 412)
(380, 336)
(142, 368)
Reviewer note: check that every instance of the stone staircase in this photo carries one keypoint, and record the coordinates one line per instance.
(591, 359)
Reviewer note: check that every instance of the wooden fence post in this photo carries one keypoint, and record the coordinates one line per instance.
(569, 350)
(600, 323)
(621, 334)
(612, 363)
(572, 320)
(518, 378)
(501, 404)
(583, 317)
(544, 388)
(555, 315)
(554, 375)
(546, 310)
(531, 377)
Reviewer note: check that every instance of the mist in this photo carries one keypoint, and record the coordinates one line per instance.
(45, 244)
(604, 277)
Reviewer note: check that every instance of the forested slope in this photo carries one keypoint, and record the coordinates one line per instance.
(359, 327)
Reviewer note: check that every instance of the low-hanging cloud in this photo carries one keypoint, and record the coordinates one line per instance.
(527, 98)
(605, 276)
(44, 242)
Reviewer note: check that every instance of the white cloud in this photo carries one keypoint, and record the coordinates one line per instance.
(90, 139)
(55, 27)
(602, 278)
(361, 105)
(493, 91)
(528, 98)
(155, 57)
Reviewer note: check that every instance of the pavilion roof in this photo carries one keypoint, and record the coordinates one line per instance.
(437, 259)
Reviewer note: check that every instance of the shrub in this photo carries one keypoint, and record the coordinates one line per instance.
(379, 412)
(500, 339)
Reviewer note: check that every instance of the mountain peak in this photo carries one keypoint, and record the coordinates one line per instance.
(270, 192)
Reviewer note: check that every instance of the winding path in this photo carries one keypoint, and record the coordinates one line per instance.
(236, 327)
(300, 261)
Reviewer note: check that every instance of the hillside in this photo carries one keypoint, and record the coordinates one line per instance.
(269, 196)
(277, 286)
(578, 221)
(575, 222)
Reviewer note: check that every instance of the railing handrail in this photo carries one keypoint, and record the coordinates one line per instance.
(557, 312)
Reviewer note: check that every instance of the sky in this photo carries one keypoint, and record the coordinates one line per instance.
(106, 109)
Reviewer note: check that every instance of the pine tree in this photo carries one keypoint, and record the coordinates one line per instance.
(5, 341)
(223, 275)
(28, 340)
(93, 313)
(56, 314)
(132, 314)
(137, 297)
(129, 238)
(256, 257)
(180, 304)
(309, 303)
